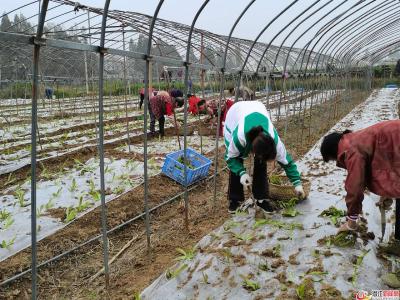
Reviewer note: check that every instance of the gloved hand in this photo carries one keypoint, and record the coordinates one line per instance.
(300, 192)
(246, 180)
(350, 225)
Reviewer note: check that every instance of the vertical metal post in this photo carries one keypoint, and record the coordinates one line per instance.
(221, 94)
(35, 86)
(397, 224)
(101, 146)
(125, 93)
(146, 103)
(187, 62)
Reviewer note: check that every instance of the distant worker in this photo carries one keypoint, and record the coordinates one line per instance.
(176, 93)
(249, 130)
(371, 157)
(244, 92)
(162, 105)
(48, 93)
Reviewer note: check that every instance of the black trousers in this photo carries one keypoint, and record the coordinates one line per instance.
(161, 122)
(259, 188)
(141, 100)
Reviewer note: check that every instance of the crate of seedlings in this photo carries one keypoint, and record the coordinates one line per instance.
(281, 189)
(197, 166)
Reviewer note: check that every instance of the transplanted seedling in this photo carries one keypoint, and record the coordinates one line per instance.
(20, 195)
(82, 205)
(334, 214)
(7, 244)
(73, 186)
(70, 214)
(231, 224)
(205, 278)
(242, 237)
(4, 215)
(357, 265)
(186, 254)
(174, 273)
(8, 222)
(249, 284)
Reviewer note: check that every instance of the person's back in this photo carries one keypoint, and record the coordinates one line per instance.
(378, 147)
(239, 110)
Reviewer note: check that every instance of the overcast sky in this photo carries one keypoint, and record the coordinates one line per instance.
(220, 15)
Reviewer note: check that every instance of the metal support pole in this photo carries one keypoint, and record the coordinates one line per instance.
(101, 147)
(125, 94)
(187, 62)
(35, 87)
(146, 104)
(397, 224)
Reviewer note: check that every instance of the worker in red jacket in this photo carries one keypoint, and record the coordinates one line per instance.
(162, 105)
(371, 157)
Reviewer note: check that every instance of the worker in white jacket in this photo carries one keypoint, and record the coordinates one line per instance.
(248, 129)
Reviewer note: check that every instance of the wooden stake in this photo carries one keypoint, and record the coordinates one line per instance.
(114, 258)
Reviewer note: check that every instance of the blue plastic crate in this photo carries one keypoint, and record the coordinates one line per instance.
(175, 170)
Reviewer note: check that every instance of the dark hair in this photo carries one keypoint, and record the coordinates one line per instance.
(201, 102)
(263, 145)
(179, 101)
(330, 145)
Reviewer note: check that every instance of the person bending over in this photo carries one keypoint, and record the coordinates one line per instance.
(249, 130)
(371, 157)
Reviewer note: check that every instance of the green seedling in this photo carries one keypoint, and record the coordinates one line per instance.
(119, 190)
(174, 273)
(263, 267)
(92, 186)
(185, 254)
(239, 213)
(288, 204)
(39, 211)
(95, 195)
(275, 179)
(344, 239)
(45, 173)
(73, 186)
(57, 194)
(227, 254)
(276, 250)
(259, 223)
(290, 212)
(70, 214)
(136, 296)
(64, 138)
(334, 214)
(284, 225)
(315, 253)
(250, 285)
(8, 222)
(10, 179)
(357, 265)
(82, 205)
(242, 237)
(4, 215)
(205, 278)
(7, 244)
(20, 195)
(230, 224)
(301, 291)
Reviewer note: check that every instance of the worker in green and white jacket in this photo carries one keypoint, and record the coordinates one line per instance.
(248, 129)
